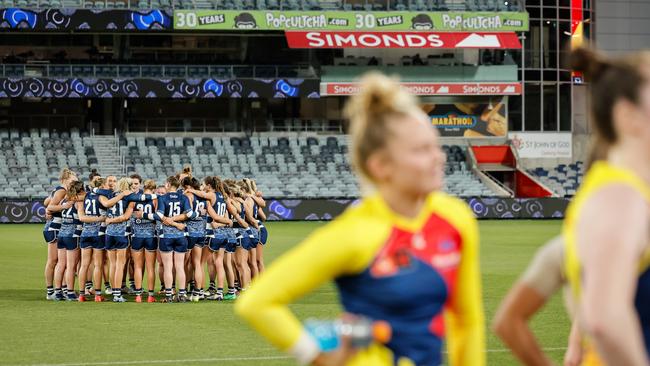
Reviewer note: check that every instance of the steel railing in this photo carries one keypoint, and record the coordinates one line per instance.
(206, 125)
(158, 71)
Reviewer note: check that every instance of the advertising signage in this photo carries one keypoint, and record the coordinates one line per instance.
(108, 20)
(424, 88)
(350, 21)
(157, 88)
(446, 40)
(469, 119)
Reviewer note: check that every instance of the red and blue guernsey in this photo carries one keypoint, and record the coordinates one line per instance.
(421, 275)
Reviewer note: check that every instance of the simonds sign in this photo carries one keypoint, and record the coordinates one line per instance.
(333, 39)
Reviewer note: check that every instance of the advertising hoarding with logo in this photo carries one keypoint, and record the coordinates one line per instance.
(446, 40)
(536, 145)
(350, 20)
(469, 119)
(487, 88)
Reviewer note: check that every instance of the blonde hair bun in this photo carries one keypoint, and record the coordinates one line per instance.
(377, 108)
(379, 95)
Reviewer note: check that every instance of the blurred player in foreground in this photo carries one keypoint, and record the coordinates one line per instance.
(544, 277)
(606, 229)
(406, 255)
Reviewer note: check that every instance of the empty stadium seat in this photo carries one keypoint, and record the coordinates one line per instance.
(562, 179)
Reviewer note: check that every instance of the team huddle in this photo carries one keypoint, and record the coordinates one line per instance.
(112, 228)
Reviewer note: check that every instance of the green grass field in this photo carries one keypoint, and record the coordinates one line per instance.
(38, 332)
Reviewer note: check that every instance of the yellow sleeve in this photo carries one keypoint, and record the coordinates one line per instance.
(336, 249)
(464, 318)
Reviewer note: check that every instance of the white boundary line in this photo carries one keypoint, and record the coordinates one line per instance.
(221, 359)
(159, 362)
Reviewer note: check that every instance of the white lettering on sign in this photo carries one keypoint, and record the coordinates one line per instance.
(392, 20)
(481, 89)
(212, 19)
(471, 23)
(373, 40)
(296, 22)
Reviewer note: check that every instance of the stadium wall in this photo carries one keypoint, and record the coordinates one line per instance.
(30, 211)
(622, 25)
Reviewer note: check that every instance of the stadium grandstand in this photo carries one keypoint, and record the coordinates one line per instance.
(255, 89)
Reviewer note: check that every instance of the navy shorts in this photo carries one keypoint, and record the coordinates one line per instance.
(102, 242)
(195, 241)
(50, 236)
(221, 241)
(148, 244)
(178, 245)
(256, 235)
(264, 235)
(239, 238)
(91, 242)
(248, 240)
(245, 243)
(116, 242)
(67, 243)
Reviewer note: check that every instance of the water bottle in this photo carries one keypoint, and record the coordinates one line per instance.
(361, 330)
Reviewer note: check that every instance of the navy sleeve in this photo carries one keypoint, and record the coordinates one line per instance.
(152, 217)
(161, 206)
(139, 197)
(133, 197)
(105, 192)
(185, 204)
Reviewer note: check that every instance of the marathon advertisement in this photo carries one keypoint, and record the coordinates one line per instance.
(153, 88)
(33, 211)
(448, 40)
(350, 21)
(469, 119)
(84, 20)
(429, 89)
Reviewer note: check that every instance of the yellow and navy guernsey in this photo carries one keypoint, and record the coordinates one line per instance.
(599, 176)
(420, 275)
